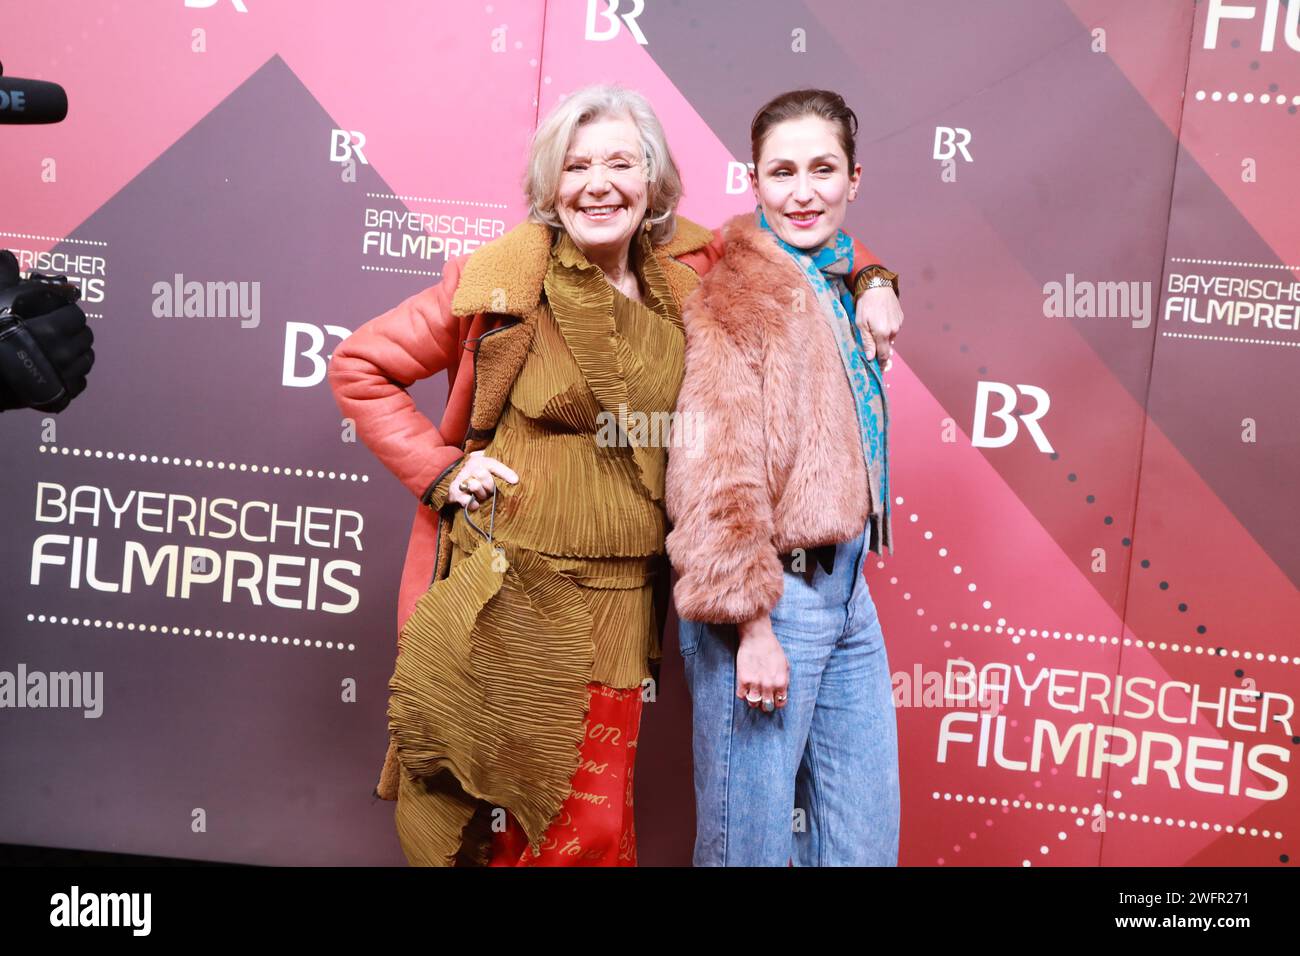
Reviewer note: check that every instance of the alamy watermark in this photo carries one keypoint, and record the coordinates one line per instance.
(651, 430)
(76, 908)
(76, 690)
(1082, 299)
(179, 299)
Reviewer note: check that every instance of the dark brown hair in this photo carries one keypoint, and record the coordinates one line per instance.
(799, 103)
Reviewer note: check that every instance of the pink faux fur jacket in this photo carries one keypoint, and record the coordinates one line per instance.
(765, 454)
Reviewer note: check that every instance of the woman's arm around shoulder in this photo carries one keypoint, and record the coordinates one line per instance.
(706, 257)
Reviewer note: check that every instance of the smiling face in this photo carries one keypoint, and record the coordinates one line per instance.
(803, 181)
(603, 189)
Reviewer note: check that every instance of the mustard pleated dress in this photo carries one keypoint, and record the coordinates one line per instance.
(490, 691)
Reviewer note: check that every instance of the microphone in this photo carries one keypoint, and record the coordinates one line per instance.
(30, 101)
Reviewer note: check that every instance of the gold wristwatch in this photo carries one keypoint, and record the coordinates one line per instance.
(874, 276)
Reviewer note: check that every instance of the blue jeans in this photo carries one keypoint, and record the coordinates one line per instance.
(815, 782)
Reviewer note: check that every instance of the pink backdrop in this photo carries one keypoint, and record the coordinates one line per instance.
(1143, 542)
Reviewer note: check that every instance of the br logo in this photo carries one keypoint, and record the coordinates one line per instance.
(738, 177)
(950, 140)
(611, 17)
(1007, 393)
(295, 348)
(345, 143)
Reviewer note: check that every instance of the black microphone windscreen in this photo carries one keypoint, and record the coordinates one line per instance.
(31, 101)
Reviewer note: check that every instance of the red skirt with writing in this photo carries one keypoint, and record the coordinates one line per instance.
(594, 826)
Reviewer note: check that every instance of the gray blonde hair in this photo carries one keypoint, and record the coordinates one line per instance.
(555, 134)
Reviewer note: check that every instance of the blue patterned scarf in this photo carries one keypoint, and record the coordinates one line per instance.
(827, 271)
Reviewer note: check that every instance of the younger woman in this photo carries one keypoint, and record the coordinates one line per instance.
(774, 513)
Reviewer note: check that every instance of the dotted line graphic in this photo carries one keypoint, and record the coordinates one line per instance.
(190, 632)
(451, 202)
(1145, 563)
(1072, 477)
(1163, 585)
(1233, 97)
(943, 553)
(1044, 633)
(201, 463)
(1227, 338)
(82, 242)
(907, 595)
(409, 272)
(1084, 812)
(1227, 262)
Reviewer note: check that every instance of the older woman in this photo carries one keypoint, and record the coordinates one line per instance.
(516, 699)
